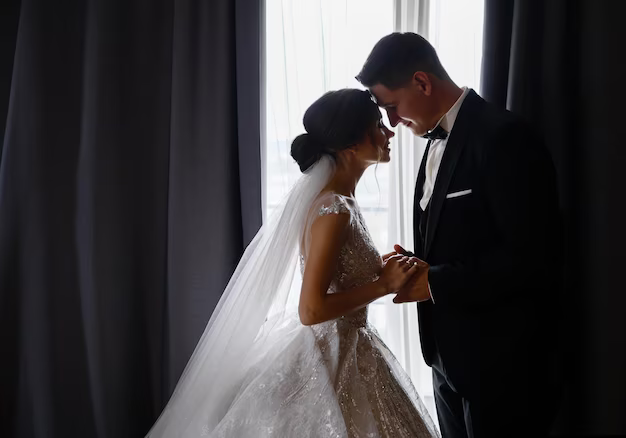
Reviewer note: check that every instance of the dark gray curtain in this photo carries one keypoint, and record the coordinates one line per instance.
(129, 187)
(9, 19)
(560, 64)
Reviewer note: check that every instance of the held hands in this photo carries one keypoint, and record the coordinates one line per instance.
(397, 270)
(415, 287)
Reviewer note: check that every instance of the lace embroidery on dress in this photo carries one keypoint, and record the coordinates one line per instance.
(359, 260)
(336, 207)
(334, 379)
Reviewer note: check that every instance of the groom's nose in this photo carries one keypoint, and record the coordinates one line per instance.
(393, 117)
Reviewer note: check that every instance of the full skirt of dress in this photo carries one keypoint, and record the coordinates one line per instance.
(335, 379)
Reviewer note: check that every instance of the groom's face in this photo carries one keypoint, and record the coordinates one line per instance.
(408, 106)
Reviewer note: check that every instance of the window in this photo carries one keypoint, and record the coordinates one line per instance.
(313, 46)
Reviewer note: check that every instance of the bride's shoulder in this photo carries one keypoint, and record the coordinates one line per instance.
(333, 203)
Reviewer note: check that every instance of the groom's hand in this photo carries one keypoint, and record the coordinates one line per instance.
(387, 256)
(416, 289)
(400, 250)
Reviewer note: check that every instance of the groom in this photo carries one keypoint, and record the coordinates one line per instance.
(486, 220)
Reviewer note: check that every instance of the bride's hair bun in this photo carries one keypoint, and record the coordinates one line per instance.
(305, 151)
(335, 121)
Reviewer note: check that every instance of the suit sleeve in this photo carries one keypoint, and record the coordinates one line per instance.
(518, 181)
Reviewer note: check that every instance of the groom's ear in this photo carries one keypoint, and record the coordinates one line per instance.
(422, 81)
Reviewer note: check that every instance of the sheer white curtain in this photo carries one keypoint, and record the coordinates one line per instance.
(313, 46)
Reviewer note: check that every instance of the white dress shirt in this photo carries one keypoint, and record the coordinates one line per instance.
(437, 148)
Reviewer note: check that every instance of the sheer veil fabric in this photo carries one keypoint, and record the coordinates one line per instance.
(258, 372)
(254, 305)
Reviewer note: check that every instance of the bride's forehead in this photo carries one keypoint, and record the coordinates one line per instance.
(382, 96)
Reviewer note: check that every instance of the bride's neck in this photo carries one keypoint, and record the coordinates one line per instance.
(344, 180)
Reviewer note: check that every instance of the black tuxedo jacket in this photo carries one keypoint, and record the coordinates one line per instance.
(494, 252)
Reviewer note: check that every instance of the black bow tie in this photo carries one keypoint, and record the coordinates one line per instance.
(436, 134)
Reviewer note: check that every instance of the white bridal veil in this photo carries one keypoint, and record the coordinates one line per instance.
(254, 301)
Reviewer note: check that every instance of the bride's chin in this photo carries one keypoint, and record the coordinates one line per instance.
(383, 155)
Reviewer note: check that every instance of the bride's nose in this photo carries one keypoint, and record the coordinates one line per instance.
(389, 133)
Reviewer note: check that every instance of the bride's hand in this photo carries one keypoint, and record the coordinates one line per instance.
(396, 272)
(386, 256)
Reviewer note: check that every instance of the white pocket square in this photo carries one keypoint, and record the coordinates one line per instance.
(457, 194)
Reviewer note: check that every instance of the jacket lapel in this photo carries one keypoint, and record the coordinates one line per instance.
(417, 210)
(454, 147)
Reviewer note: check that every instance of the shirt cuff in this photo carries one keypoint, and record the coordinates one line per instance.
(431, 293)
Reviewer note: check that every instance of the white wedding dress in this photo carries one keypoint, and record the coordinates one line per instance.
(334, 379)
(257, 372)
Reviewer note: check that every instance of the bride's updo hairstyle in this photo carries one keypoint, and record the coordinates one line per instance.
(335, 121)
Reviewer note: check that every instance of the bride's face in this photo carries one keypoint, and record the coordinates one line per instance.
(375, 147)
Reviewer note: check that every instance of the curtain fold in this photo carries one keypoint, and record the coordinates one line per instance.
(557, 64)
(9, 20)
(129, 186)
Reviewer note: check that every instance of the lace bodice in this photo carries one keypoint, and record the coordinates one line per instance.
(359, 260)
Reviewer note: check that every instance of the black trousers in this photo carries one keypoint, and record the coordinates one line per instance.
(515, 407)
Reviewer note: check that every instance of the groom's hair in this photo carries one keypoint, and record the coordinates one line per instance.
(396, 57)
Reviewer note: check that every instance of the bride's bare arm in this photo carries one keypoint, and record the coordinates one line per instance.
(328, 233)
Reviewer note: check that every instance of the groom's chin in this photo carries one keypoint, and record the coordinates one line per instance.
(417, 132)
(413, 128)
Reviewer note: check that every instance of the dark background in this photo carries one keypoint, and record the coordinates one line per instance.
(130, 183)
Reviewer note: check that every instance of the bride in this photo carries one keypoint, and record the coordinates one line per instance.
(277, 364)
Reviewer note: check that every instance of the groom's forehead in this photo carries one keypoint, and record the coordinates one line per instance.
(373, 97)
(378, 101)
(380, 95)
